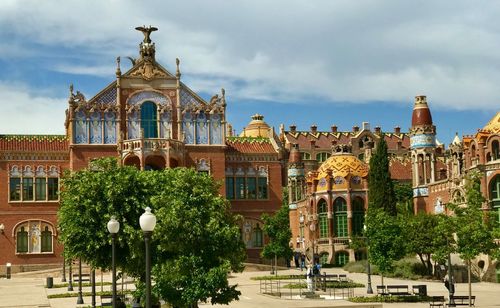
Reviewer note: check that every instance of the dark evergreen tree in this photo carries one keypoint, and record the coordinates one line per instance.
(380, 186)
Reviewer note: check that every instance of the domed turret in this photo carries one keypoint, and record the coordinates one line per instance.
(257, 128)
(421, 112)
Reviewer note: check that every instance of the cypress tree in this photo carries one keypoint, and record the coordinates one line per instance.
(380, 186)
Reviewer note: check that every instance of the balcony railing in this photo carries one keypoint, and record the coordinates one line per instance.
(151, 145)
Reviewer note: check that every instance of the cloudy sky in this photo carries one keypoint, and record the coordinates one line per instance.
(296, 62)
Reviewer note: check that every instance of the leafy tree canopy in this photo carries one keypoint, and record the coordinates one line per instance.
(474, 226)
(196, 241)
(385, 238)
(277, 228)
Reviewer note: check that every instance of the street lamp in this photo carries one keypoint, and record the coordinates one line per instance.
(113, 228)
(147, 222)
(369, 289)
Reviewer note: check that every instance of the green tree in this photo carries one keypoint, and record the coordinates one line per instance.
(196, 242)
(425, 236)
(385, 240)
(404, 198)
(277, 228)
(384, 232)
(380, 185)
(473, 225)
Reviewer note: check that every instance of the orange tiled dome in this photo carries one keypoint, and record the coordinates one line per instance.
(343, 165)
(493, 125)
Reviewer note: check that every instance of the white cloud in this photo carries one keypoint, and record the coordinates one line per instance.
(27, 113)
(290, 51)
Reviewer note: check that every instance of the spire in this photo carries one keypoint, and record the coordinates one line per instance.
(456, 140)
(147, 47)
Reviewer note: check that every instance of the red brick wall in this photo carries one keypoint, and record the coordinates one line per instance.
(81, 155)
(12, 213)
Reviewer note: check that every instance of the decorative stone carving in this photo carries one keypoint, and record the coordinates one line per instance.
(148, 71)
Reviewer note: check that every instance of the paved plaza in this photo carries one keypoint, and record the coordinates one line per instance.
(28, 290)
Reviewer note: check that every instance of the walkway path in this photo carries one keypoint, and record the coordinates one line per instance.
(29, 291)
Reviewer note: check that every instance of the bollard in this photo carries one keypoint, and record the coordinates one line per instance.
(50, 282)
(8, 266)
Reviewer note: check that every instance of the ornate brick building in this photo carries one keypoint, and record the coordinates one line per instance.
(327, 179)
(146, 118)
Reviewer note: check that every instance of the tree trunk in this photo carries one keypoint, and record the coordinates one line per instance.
(275, 264)
(429, 265)
(382, 276)
(468, 278)
(421, 259)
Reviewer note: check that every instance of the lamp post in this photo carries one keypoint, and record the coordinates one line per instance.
(113, 228)
(369, 289)
(147, 222)
(451, 286)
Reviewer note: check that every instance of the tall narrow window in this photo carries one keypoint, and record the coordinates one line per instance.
(340, 217)
(15, 189)
(257, 235)
(341, 258)
(358, 216)
(46, 240)
(27, 189)
(40, 189)
(323, 219)
(251, 188)
(230, 187)
(22, 240)
(495, 150)
(495, 195)
(262, 188)
(240, 188)
(149, 122)
(53, 184)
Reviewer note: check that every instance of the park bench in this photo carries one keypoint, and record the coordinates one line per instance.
(327, 278)
(436, 301)
(398, 290)
(381, 290)
(463, 300)
(419, 290)
(343, 277)
(83, 277)
(108, 300)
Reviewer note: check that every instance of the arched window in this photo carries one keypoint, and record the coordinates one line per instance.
(323, 258)
(341, 258)
(323, 219)
(149, 120)
(34, 236)
(22, 240)
(340, 217)
(495, 195)
(358, 216)
(495, 149)
(257, 236)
